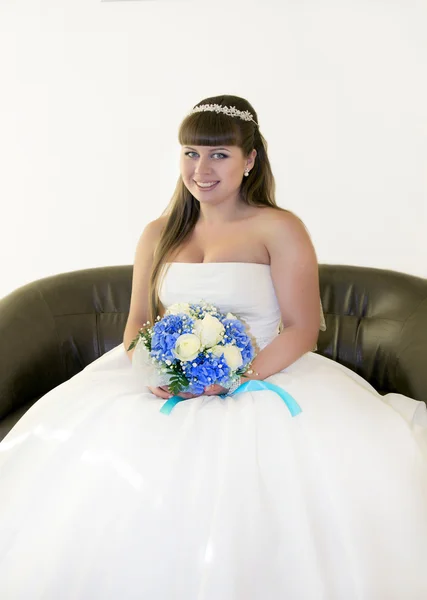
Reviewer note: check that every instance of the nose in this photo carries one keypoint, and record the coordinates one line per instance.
(202, 165)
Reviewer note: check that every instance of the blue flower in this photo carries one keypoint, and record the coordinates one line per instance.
(166, 332)
(206, 370)
(235, 330)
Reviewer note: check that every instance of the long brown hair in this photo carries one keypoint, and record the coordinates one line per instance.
(212, 129)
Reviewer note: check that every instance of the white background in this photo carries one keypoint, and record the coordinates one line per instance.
(92, 94)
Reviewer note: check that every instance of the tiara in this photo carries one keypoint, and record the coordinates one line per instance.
(232, 111)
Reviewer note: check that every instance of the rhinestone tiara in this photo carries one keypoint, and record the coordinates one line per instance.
(232, 111)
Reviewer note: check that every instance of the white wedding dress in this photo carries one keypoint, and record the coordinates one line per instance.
(103, 497)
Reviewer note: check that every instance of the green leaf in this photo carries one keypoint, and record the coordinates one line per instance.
(178, 382)
(133, 343)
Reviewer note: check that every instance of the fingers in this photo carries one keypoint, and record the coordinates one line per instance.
(210, 390)
(159, 392)
(163, 392)
(186, 395)
(214, 390)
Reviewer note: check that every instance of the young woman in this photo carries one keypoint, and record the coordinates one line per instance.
(102, 496)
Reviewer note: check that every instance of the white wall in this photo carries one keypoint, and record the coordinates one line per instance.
(92, 95)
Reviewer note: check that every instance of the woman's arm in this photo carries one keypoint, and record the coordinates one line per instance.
(139, 306)
(295, 276)
(139, 303)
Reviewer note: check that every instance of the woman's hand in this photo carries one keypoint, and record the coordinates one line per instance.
(215, 390)
(211, 390)
(164, 392)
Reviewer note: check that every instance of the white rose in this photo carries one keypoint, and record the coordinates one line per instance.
(210, 330)
(187, 347)
(178, 308)
(217, 350)
(232, 355)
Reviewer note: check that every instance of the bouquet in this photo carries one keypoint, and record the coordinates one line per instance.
(191, 347)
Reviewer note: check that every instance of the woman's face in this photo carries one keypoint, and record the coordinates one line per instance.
(222, 166)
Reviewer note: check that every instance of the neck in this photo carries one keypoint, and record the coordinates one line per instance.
(220, 214)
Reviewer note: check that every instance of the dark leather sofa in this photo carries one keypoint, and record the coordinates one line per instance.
(52, 328)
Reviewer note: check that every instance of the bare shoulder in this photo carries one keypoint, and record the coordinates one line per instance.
(153, 229)
(148, 240)
(294, 271)
(150, 236)
(276, 217)
(281, 230)
(147, 244)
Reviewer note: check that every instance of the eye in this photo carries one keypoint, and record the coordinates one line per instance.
(221, 154)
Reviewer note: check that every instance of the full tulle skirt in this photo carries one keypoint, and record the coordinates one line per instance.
(102, 496)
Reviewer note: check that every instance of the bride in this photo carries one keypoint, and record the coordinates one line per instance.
(230, 497)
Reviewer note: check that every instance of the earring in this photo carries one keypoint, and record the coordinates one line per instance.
(246, 172)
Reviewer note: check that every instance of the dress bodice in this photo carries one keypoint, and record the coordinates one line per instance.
(244, 289)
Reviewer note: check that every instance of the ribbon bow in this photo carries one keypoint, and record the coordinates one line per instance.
(249, 386)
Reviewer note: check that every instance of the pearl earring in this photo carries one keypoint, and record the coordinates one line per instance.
(246, 172)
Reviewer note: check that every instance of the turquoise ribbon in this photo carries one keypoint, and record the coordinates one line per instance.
(169, 404)
(249, 386)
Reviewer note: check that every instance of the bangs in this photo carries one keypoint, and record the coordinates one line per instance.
(209, 129)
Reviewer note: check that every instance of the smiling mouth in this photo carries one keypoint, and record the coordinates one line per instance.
(206, 187)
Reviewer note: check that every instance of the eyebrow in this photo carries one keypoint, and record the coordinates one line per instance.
(212, 148)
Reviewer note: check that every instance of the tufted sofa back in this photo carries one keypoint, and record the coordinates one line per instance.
(52, 328)
(377, 326)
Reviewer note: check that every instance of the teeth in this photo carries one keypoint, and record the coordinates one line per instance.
(206, 185)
